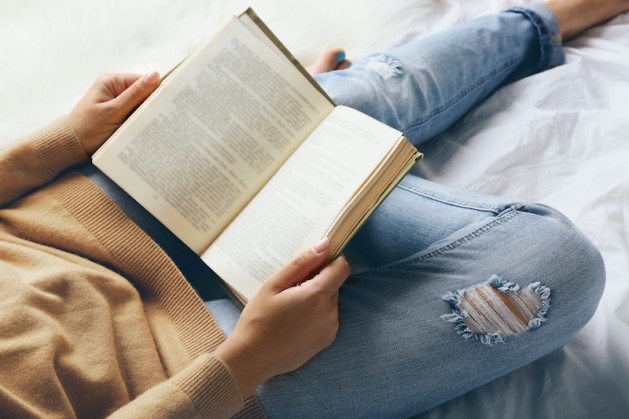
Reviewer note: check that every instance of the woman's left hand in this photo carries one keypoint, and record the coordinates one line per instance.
(106, 105)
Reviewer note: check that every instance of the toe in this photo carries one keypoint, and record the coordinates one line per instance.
(328, 60)
(343, 65)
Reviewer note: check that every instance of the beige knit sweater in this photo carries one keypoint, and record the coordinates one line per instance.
(95, 319)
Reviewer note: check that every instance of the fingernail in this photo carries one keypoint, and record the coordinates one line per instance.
(340, 57)
(151, 78)
(321, 246)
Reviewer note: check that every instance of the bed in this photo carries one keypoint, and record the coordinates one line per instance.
(560, 138)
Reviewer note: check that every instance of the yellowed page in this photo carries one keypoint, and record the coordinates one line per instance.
(298, 205)
(217, 129)
(250, 19)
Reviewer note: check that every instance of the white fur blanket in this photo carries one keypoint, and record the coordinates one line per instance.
(51, 51)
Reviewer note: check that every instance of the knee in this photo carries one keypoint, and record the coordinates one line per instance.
(553, 276)
(569, 264)
(544, 272)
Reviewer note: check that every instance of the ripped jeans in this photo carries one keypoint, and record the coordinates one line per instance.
(404, 344)
(450, 289)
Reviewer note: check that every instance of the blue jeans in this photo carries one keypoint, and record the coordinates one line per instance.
(406, 342)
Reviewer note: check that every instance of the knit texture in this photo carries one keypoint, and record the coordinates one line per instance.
(96, 319)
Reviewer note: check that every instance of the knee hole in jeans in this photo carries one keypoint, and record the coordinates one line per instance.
(490, 311)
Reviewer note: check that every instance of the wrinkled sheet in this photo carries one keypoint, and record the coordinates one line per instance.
(561, 138)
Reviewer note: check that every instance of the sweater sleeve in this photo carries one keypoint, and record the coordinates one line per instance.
(204, 389)
(37, 159)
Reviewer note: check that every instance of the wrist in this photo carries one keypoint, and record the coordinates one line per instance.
(241, 363)
(75, 122)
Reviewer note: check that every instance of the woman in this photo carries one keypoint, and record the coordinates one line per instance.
(97, 319)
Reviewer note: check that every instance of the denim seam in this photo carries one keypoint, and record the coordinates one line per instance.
(501, 219)
(460, 96)
(447, 200)
(542, 32)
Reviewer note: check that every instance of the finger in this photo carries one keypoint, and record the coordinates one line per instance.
(301, 267)
(332, 276)
(137, 92)
(122, 81)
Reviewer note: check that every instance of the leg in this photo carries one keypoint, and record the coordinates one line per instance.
(423, 87)
(436, 81)
(394, 355)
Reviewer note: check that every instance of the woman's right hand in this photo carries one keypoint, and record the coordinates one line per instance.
(292, 318)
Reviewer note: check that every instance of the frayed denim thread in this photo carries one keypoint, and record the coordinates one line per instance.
(458, 315)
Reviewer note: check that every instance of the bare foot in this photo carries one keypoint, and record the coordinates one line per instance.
(329, 60)
(575, 16)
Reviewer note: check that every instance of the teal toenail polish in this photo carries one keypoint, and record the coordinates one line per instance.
(340, 57)
(349, 63)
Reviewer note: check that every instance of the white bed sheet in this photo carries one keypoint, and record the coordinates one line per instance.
(560, 137)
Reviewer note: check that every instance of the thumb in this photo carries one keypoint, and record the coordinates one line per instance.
(301, 267)
(333, 275)
(137, 93)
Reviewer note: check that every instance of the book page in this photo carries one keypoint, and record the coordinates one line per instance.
(201, 147)
(297, 206)
(252, 21)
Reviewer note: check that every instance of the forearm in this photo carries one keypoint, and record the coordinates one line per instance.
(205, 388)
(35, 160)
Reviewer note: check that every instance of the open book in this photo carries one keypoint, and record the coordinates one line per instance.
(244, 157)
